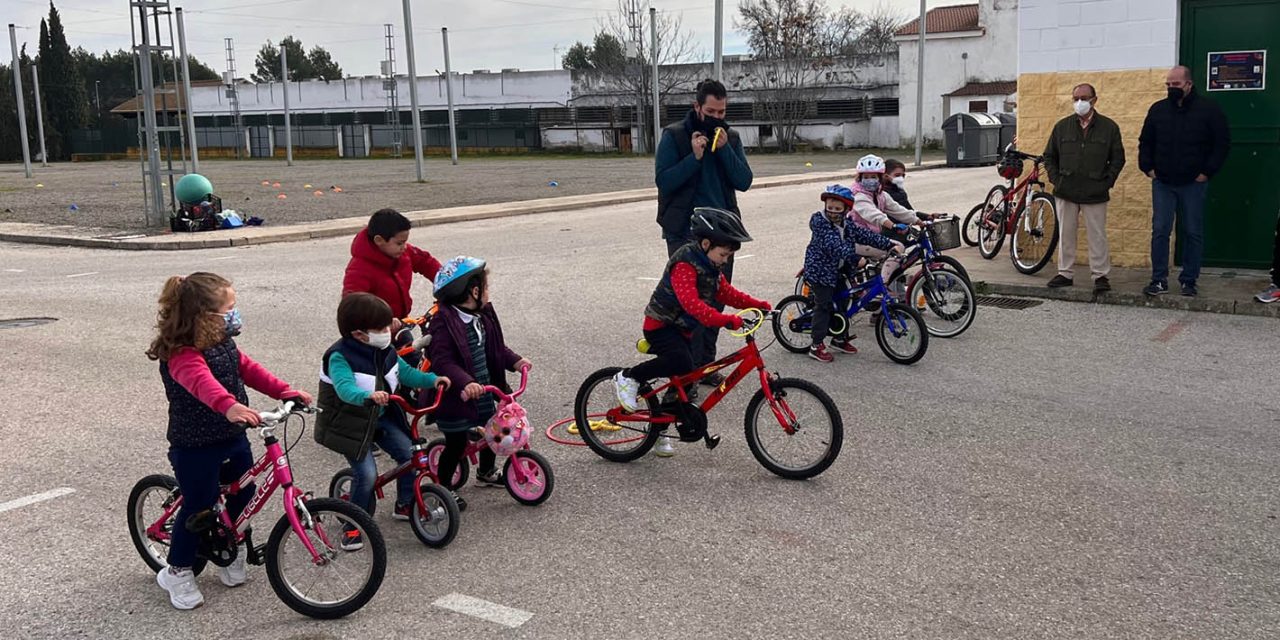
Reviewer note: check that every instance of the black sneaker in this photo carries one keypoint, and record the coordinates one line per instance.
(1189, 289)
(1059, 281)
(492, 478)
(403, 512)
(712, 380)
(1101, 285)
(462, 504)
(351, 539)
(1156, 288)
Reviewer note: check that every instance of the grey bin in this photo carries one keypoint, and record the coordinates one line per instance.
(972, 139)
(1008, 129)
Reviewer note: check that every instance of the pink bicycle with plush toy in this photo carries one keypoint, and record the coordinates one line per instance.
(526, 474)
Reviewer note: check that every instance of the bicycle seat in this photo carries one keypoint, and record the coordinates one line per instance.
(476, 434)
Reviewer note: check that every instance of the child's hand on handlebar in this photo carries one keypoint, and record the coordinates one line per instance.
(241, 414)
(442, 383)
(732, 322)
(524, 364)
(380, 398)
(472, 391)
(298, 394)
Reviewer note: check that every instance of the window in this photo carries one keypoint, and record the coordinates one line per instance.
(738, 111)
(766, 131)
(977, 106)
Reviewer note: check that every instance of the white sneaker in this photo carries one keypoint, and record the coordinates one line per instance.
(627, 390)
(234, 575)
(183, 592)
(664, 448)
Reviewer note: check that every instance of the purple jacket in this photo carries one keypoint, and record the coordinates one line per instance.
(451, 357)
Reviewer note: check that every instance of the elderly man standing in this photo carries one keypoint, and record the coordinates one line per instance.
(700, 163)
(1184, 143)
(1084, 157)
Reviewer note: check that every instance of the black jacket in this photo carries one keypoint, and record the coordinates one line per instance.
(1083, 164)
(679, 176)
(898, 194)
(1182, 142)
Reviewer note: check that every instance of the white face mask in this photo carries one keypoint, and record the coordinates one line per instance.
(379, 341)
(1083, 108)
(900, 181)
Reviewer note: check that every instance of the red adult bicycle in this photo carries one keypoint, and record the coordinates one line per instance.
(792, 426)
(1024, 211)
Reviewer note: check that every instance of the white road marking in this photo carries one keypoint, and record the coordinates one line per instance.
(651, 279)
(749, 255)
(483, 609)
(15, 270)
(223, 258)
(32, 499)
(81, 275)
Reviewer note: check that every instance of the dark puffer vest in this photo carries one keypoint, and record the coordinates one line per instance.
(191, 422)
(665, 307)
(347, 428)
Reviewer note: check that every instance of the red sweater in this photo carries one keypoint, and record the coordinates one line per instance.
(684, 279)
(372, 271)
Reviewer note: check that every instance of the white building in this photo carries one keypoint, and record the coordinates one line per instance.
(970, 64)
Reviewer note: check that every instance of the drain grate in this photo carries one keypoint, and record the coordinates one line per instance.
(19, 323)
(1002, 302)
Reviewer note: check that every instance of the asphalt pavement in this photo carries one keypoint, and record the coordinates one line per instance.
(1063, 471)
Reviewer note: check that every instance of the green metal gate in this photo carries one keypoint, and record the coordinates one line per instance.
(1244, 199)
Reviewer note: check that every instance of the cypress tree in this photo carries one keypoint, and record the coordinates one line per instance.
(64, 100)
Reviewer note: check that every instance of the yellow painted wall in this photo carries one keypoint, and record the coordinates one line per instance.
(1123, 96)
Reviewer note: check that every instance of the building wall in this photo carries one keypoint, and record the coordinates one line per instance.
(995, 104)
(1124, 48)
(991, 57)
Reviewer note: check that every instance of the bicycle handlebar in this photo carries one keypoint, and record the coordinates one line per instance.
(415, 411)
(289, 407)
(524, 382)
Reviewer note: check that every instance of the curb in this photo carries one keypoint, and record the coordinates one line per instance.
(1173, 302)
(67, 236)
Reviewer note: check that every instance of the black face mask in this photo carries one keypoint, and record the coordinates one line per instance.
(1176, 93)
(708, 124)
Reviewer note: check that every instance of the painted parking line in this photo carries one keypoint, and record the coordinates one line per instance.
(483, 609)
(81, 275)
(32, 499)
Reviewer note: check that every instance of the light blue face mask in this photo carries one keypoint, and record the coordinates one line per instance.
(870, 184)
(234, 322)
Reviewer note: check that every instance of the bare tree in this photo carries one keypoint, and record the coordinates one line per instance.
(876, 30)
(796, 45)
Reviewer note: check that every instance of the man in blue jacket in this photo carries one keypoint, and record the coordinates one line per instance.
(1184, 143)
(700, 163)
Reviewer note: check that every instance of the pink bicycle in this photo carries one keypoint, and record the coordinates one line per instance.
(305, 564)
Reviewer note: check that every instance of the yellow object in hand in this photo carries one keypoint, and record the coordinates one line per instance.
(715, 142)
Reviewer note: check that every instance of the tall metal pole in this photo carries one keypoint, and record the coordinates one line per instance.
(653, 49)
(35, 86)
(413, 88)
(186, 93)
(920, 88)
(448, 88)
(155, 212)
(284, 80)
(22, 107)
(719, 64)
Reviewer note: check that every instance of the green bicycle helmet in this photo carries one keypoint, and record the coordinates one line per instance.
(193, 188)
(718, 225)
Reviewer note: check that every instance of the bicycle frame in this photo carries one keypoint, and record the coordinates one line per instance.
(1022, 192)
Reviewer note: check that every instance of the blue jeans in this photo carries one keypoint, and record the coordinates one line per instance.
(395, 441)
(1186, 203)
(200, 472)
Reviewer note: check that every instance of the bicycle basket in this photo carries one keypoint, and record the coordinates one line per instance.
(945, 234)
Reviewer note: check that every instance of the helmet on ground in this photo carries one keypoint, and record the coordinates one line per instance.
(193, 188)
(718, 225)
(508, 430)
(1010, 167)
(838, 192)
(870, 164)
(453, 277)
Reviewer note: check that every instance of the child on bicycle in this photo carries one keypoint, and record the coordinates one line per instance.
(832, 249)
(359, 370)
(682, 302)
(383, 262)
(205, 376)
(467, 346)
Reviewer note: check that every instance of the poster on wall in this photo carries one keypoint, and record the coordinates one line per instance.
(1237, 70)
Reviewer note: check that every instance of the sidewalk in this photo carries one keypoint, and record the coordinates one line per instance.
(136, 241)
(1221, 290)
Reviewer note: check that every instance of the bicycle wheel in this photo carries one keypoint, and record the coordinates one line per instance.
(343, 580)
(340, 488)
(817, 431)
(901, 334)
(991, 222)
(802, 287)
(539, 481)
(1035, 235)
(614, 442)
(438, 525)
(793, 323)
(434, 449)
(945, 300)
(969, 229)
(148, 500)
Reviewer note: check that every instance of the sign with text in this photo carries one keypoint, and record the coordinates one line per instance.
(1237, 70)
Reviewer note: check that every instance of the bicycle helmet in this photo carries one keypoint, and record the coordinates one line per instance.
(508, 430)
(453, 277)
(838, 192)
(870, 164)
(1010, 167)
(718, 225)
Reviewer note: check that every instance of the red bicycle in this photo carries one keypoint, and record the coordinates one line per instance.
(435, 516)
(1024, 211)
(802, 441)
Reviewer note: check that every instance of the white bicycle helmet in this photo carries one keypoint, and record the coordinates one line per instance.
(870, 164)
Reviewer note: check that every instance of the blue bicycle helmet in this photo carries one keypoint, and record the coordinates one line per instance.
(839, 192)
(451, 280)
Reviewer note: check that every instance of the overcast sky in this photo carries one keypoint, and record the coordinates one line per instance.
(486, 34)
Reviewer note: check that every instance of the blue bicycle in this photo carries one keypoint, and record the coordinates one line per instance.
(900, 330)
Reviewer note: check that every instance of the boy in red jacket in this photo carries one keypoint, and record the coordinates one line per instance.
(383, 262)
